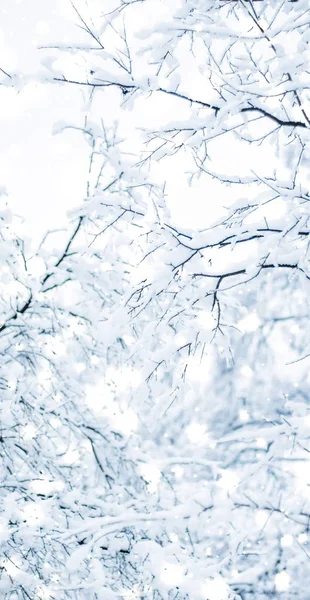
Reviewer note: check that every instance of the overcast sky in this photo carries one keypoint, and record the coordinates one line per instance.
(44, 174)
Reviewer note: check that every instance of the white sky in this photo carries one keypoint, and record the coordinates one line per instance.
(44, 174)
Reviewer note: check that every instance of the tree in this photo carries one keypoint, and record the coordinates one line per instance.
(167, 456)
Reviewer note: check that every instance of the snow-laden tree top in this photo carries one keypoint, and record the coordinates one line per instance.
(155, 354)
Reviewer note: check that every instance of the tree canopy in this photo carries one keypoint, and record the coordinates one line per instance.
(154, 377)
